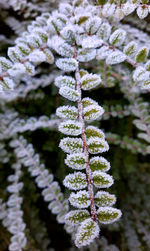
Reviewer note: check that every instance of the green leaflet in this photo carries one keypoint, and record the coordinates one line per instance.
(75, 217)
(107, 215)
(86, 233)
(103, 199)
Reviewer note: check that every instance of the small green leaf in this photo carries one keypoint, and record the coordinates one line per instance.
(107, 215)
(75, 217)
(142, 55)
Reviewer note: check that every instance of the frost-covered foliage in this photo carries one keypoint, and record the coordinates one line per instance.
(81, 69)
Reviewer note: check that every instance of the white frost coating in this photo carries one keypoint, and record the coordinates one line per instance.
(97, 145)
(7, 83)
(102, 195)
(80, 199)
(75, 181)
(104, 31)
(92, 42)
(142, 12)
(37, 56)
(109, 211)
(93, 24)
(63, 48)
(5, 64)
(119, 13)
(108, 9)
(70, 112)
(69, 93)
(102, 161)
(130, 49)
(102, 180)
(103, 52)
(94, 130)
(73, 128)
(76, 161)
(67, 64)
(71, 218)
(128, 8)
(90, 81)
(92, 112)
(140, 74)
(88, 101)
(71, 145)
(116, 57)
(17, 70)
(65, 81)
(86, 233)
(118, 37)
(86, 54)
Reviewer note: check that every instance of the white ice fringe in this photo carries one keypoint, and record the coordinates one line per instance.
(75, 181)
(86, 233)
(73, 128)
(90, 81)
(80, 199)
(93, 112)
(70, 112)
(110, 211)
(76, 161)
(140, 74)
(69, 93)
(67, 64)
(71, 145)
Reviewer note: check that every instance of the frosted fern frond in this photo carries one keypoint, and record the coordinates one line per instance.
(76, 217)
(107, 215)
(86, 233)
(75, 181)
